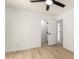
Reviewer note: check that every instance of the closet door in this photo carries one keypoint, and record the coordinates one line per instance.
(52, 34)
(44, 30)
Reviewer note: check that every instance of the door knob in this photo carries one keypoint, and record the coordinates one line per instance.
(49, 33)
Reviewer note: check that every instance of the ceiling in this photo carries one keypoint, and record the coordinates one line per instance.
(41, 6)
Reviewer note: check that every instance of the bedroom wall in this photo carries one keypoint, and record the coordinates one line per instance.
(68, 29)
(23, 29)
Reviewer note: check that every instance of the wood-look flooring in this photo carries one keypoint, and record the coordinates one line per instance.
(45, 52)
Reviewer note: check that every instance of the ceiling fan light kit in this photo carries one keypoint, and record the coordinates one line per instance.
(50, 2)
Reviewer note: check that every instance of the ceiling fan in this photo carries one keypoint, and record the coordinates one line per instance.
(50, 2)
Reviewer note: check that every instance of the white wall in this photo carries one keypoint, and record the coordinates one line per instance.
(23, 29)
(68, 29)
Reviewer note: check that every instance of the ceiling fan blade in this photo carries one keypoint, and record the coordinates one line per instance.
(58, 3)
(38, 1)
(47, 7)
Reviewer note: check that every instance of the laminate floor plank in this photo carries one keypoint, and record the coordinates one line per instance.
(44, 52)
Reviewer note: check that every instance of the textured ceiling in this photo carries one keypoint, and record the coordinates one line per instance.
(41, 6)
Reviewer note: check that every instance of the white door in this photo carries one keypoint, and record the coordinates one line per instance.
(44, 31)
(52, 34)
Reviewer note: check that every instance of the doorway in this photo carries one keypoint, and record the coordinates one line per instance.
(48, 32)
(60, 32)
(44, 30)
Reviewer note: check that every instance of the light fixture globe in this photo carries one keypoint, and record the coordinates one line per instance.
(48, 2)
